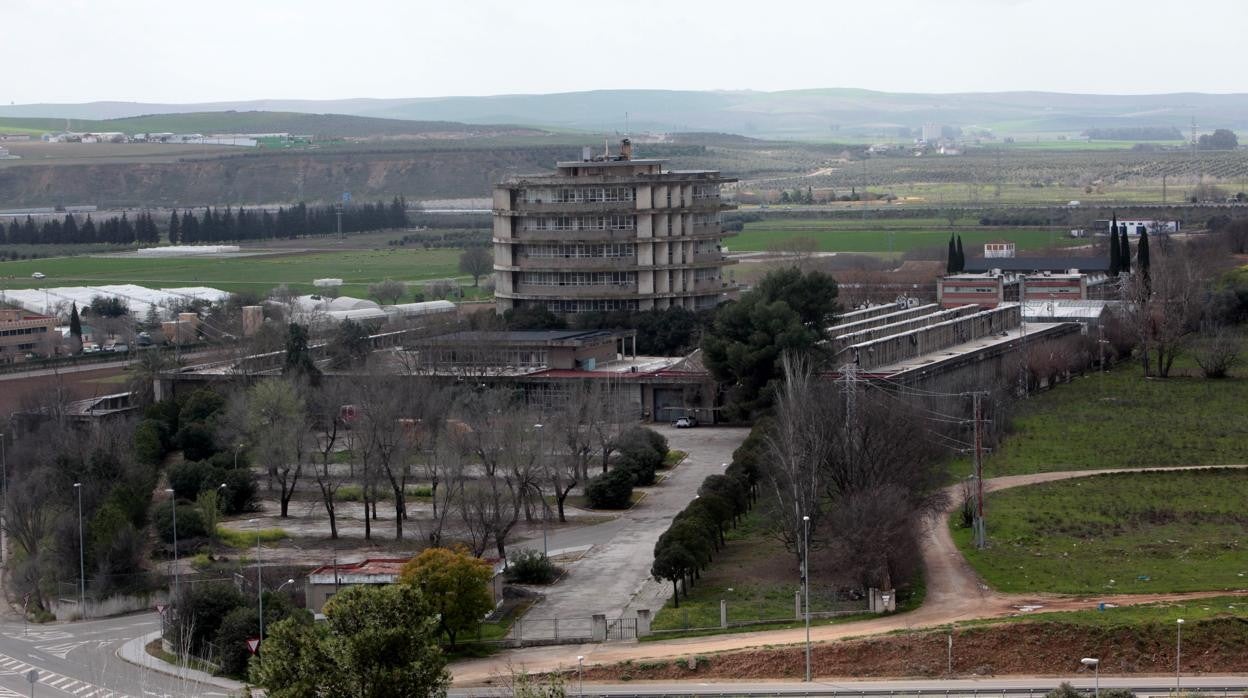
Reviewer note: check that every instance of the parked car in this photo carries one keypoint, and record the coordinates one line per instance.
(121, 348)
(144, 339)
(90, 348)
(38, 275)
(685, 423)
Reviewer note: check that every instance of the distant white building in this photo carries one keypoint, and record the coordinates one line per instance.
(999, 249)
(931, 132)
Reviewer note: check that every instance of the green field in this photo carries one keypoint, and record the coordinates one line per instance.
(885, 236)
(1117, 533)
(257, 274)
(1121, 420)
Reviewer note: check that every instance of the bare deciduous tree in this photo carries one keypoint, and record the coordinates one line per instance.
(278, 430)
(1216, 350)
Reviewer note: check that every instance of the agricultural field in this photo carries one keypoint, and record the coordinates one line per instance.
(1014, 175)
(890, 236)
(240, 273)
(1114, 420)
(1151, 532)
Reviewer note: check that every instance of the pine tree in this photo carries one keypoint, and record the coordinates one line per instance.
(951, 259)
(1124, 254)
(1142, 261)
(961, 256)
(75, 322)
(174, 228)
(1114, 264)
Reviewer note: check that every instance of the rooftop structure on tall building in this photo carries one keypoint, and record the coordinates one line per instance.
(610, 232)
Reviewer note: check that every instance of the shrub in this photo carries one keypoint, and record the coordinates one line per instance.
(149, 442)
(613, 490)
(188, 479)
(241, 493)
(202, 608)
(639, 438)
(190, 522)
(196, 441)
(531, 567)
(640, 466)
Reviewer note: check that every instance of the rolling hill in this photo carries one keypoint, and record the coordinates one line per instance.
(833, 113)
(319, 125)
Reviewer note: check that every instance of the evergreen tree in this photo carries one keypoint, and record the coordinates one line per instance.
(1124, 254)
(75, 322)
(951, 257)
(961, 256)
(1142, 260)
(175, 229)
(89, 234)
(1115, 265)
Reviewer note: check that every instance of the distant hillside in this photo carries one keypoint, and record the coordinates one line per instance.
(819, 113)
(319, 125)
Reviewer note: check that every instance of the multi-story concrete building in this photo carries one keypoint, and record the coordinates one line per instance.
(23, 334)
(610, 233)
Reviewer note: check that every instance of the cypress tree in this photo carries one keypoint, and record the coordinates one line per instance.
(961, 256)
(1114, 264)
(951, 259)
(1124, 254)
(1141, 255)
(174, 228)
(75, 322)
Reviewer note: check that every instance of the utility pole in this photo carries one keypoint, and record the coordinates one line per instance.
(977, 410)
(338, 211)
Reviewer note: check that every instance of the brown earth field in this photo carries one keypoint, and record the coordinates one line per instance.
(1218, 645)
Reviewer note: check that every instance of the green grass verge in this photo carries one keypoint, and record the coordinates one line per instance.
(673, 457)
(1122, 420)
(355, 493)
(246, 539)
(1165, 613)
(1152, 532)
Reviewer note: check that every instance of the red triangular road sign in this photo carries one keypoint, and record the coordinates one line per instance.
(253, 644)
(160, 608)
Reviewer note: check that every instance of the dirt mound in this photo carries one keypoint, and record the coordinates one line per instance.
(1214, 646)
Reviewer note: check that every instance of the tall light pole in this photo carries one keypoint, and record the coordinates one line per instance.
(1096, 665)
(1178, 657)
(82, 556)
(580, 677)
(173, 507)
(236, 450)
(285, 584)
(545, 505)
(806, 585)
(259, 585)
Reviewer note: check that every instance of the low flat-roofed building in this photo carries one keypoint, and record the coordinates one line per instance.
(327, 580)
(1052, 287)
(550, 349)
(23, 334)
(983, 289)
(1032, 265)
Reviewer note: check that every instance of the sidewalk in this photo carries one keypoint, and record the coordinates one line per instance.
(135, 652)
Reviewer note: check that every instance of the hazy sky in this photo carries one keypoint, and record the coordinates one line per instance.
(183, 51)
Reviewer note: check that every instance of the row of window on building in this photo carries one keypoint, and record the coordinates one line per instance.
(581, 250)
(42, 329)
(593, 195)
(579, 278)
(616, 222)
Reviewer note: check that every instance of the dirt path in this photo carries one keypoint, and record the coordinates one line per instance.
(954, 593)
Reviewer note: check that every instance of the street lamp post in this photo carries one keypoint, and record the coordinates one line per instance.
(236, 450)
(82, 566)
(173, 507)
(259, 586)
(285, 584)
(1178, 656)
(806, 585)
(1096, 665)
(580, 677)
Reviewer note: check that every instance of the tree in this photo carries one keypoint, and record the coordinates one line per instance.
(1220, 139)
(672, 562)
(457, 586)
(276, 424)
(382, 643)
(1142, 256)
(387, 292)
(298, 357)
(613, 490)
(350, 345)
(961, 256)
(476, 261)
(788, 311)
(175, 228)
(1164, 309)
(75, 323)
(951, 257)
(532, 317)
(1124, 252)
(1115, 253)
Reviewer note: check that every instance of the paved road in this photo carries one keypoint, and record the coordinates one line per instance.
(80, 660)
(608, 577)
(954, 593)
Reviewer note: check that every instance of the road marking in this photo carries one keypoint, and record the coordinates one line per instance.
(53, 679)
(40, 636)
(63, 649)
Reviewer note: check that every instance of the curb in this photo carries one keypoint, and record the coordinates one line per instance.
(135, 652)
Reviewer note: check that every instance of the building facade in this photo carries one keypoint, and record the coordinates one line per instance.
(610, 233)
(24, 335)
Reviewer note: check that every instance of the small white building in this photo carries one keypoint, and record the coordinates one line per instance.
(999, 249)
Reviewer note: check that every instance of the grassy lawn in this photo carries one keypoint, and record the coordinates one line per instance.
(1117, 533)
(1120, 420)
(256, 274)
(867, 236)
(758, 579)
(244, 539)
(1165, 614)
